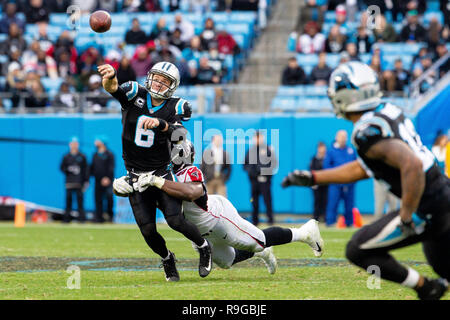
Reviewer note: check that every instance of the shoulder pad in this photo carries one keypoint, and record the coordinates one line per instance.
(131, 89)
(183, 109)
(368, 132)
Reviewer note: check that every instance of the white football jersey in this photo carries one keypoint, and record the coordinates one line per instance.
(204, 212)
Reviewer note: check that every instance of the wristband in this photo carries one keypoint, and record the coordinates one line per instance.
(115, 73)
(158, 182)
(162, 125)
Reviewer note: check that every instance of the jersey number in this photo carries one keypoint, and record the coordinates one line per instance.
(143, 138)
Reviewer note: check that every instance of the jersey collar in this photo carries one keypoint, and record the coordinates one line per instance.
(154, 109)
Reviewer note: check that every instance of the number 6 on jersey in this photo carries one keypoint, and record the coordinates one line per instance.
(143, 138)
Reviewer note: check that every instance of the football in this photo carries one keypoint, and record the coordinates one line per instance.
(100, 21)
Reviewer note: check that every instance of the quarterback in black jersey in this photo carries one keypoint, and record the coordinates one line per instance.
(151, 121)
(389, 150)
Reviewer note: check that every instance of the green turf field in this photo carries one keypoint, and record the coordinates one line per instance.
(115, 263)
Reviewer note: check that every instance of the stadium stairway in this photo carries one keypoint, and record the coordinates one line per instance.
(268, 59)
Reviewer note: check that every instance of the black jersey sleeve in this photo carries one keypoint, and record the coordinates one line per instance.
(126, 92)
(183, 110)
(368, 133)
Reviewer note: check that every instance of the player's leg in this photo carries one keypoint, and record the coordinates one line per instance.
(172, 210)
(371, 244)
(144, 210)
(349, 203)
(332, 205)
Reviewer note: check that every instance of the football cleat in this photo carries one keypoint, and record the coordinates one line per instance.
(170, 268)
(433, 289)
(205, 263)
(269, 259)
(312, 237)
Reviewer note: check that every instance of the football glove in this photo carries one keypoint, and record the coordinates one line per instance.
(148, 180)
(121, 187)
(298, 178)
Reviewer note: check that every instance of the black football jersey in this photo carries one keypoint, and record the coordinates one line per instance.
(146, 150)
(388, 122)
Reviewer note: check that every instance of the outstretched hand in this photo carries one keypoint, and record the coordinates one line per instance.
(298, 178)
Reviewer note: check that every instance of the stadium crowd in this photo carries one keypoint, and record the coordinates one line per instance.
(27, 63)
(361, 39)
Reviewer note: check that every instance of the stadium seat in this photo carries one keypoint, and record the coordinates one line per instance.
(387, 61)
(312, 90)
(285, 91)
(307, 59)
(284, 104)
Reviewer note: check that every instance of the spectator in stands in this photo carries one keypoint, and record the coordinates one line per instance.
(16, 84)
(30, 54)
(375, 64)
(363, 41)
(131, 5)
(311, 41)
(344, 57)
(125, 72)
(64, 43)
(225, 43)
(135, 35)
(205, 74)
(217, 60)
(383, 31)
(434, 35)
(160, 29)
(175, 40)
(87, 66)
(58, 6)
(96, 99)
(402, 76)
(186, 27)
(341, 19)
(36, 12)
(42, 37)
(335, 41)
(352, 51)
(413, 30)
(416, 58)
(14, 42)
(174, 5)
(320, 192)
(150, 6)
(65, 98)
(63, 64)
(313, 10)
(293, 74)
(113, 58)
(320, 74)
(75, 168)
(194, 50)
(441, 50)
(388, 81)
(216, 167)
(338, 154)
(419, 5)
(43, 65)
(439, 150)
(142, 63)
(10, 17)
(107, 5)
(208, 34)
(37, 97)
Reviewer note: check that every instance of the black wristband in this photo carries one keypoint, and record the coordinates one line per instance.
(162, 124)
(115, 73)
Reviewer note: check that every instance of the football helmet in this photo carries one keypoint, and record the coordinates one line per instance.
(167, 70)
(183, 154)
(353, 87)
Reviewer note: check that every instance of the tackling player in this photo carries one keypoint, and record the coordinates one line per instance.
(233, 238)
(391, 151)
(151, 118)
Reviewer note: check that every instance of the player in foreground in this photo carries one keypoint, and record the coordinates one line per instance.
(151, 118)
(233, 238)
(390, 150)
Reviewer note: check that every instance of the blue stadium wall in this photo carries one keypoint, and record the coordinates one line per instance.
(32, 147)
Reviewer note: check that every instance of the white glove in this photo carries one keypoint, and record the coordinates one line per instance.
(148, 180)
(122, 187)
